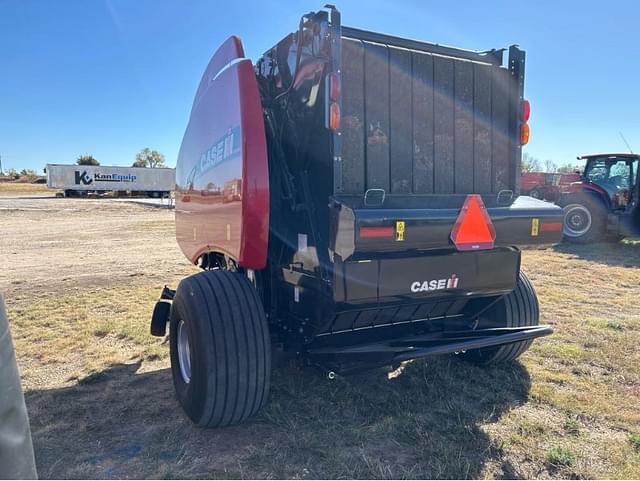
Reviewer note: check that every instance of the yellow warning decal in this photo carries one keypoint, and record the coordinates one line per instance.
(535, 227)
(400, 230)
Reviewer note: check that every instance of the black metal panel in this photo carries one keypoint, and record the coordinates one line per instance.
(492, 56)
(482, 129)
(397, 276)
(431, 228)
(463, 152)
(516, 69)
(401, 129)
(424, 311)
(406, 312)
(444, 125)
(361, 280)
(422, 123)
(353, 119)
(344, 320)
(380, 316)
(366, 318)
(387, 315)
(500, 122)
(376, 86)
(452, 116)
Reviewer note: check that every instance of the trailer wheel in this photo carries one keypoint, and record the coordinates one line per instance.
(220, 348)
(517, 309)
(584, 220)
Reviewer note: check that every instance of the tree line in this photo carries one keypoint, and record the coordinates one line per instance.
(145, 158)
(533, 164)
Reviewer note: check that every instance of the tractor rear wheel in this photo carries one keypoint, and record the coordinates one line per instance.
(537, 193)
(519, 308)
(220, 348)
(584, 220)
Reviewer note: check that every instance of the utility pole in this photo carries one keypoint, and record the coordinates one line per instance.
(0, 164)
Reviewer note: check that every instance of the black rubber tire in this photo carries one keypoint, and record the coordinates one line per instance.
(517, 309)
(229, 345)
(537, 194)
(598, 213)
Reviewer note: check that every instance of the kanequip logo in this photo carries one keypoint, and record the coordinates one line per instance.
(435, 284)
(83, 178)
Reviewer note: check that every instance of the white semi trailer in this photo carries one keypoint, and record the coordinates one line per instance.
(80, 180)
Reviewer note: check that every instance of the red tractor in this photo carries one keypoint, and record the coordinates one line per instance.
(546, 185)
(603, 204)
(540, 185)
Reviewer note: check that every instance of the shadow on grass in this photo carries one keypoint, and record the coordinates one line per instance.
(622, 254)
(424, 423)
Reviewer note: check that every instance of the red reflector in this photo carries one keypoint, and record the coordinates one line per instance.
(334, 86)
(473, 229)
(551, 227)
(376, 232)
(526, 110)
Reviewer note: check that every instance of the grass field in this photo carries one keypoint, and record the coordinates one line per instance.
(21, 188)
(101, 402)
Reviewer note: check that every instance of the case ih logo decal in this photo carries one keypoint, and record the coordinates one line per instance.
(435, 284)
(84, 178)
(222, 149)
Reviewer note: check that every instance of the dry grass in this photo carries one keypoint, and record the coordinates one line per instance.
(22, 188)
(101, 401)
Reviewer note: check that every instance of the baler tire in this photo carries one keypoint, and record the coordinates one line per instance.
(519, 308)
(228, 348)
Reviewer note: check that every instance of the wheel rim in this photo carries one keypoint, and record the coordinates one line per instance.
(577, 220)
(184, 352)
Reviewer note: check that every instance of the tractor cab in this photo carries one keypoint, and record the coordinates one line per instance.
(603, 205)
(616, 175)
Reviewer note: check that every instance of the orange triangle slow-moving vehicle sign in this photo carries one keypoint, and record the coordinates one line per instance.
(473, 229)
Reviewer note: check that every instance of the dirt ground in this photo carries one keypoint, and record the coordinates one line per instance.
(80, 278)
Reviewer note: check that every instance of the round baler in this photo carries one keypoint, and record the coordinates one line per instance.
(321, 194)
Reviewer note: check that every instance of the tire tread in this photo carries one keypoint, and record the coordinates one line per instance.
(521, 309)
(229, 317)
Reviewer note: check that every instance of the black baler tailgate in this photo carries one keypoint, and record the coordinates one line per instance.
(424, 119)
(527, 221)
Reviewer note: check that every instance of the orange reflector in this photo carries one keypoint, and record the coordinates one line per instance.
(473, 229)
(334, 116)
(376, 232)
(524, 134)
(551, 227)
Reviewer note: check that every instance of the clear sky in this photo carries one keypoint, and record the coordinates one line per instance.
(110, 77)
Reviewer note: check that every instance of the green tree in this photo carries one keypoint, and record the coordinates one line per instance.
(149, 158)
(87, 160)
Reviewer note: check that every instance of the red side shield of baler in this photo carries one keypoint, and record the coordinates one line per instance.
(222, 176)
